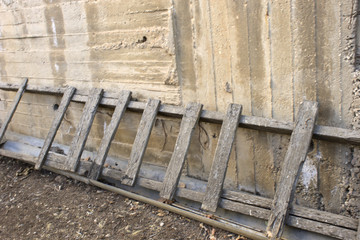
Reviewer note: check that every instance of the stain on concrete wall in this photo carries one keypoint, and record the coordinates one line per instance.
(264, 54)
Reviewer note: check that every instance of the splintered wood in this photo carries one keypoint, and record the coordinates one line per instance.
(294, 158)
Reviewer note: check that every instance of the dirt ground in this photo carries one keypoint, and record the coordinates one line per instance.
(44, 205)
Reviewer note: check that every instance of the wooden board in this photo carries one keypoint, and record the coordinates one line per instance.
(141, 140)
(124, 98)
(83, 129)
(326, 133)
(10, 114)
(306, 222)
(173, 172)
(60, 113)
(295, 157)
(221, 158)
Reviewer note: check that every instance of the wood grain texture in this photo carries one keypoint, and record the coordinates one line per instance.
(173, 172)
(240, 202)
(141, 140)
(295, 157)
(83, 129)
(123, 100)
(60, 113)
(326, 133)
(221, 158)
(295, 210)
(10, 114)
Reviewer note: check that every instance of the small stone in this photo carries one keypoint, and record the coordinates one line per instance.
(60, 179)
(162, 224)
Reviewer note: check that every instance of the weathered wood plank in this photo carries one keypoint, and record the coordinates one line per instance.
(326, 133)
(221, 158)
(83, 129)
(321, 228)
(65, 101)
(123, 100)
(295, 157)
(178, 157)
(10, 114)
(295, 210)
(141, 140)
(358, 231)
(57, 161)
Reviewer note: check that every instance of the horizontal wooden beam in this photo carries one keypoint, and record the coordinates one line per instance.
(325, 223)
(325, 133)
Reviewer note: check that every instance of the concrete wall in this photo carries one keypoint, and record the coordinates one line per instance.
(266, 55)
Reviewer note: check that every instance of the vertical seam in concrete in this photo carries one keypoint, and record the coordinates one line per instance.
(212, 54)
(341, 67)
(251, 93)
(231, 53)
(316, 54)
(292, 58)
(232, 96)
(177, 50)
(250, 66)
(270, 59)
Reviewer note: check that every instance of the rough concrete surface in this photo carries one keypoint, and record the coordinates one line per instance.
(264, 54)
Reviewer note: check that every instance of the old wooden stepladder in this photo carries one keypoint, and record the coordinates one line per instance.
(277, 212)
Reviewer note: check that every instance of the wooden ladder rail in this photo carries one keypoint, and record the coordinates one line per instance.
(173, 172)
(64, 104)
(291, 167)
(97, 165)
(221, 158)
(83, 129)
(141, 140)
(10, 114)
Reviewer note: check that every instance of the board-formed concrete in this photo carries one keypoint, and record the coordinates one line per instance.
(266, 55)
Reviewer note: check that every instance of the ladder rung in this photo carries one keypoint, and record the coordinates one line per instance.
(221, 158)
(141, 140)
(294, 158)
(83, 129)
(10, 114)
(123, 100)
(60, 113)
(173, 172)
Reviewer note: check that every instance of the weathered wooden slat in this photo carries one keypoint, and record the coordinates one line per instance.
(83, 129)
(123, 100)
(294, 158)
(306, 223)
(325, 133)
(221, 158)
(141, 140)
(178, 157)
(65, 101)
(10, 114)
(358, 231)
(295, 210)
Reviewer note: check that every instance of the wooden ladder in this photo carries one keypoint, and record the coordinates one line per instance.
(301, 136)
